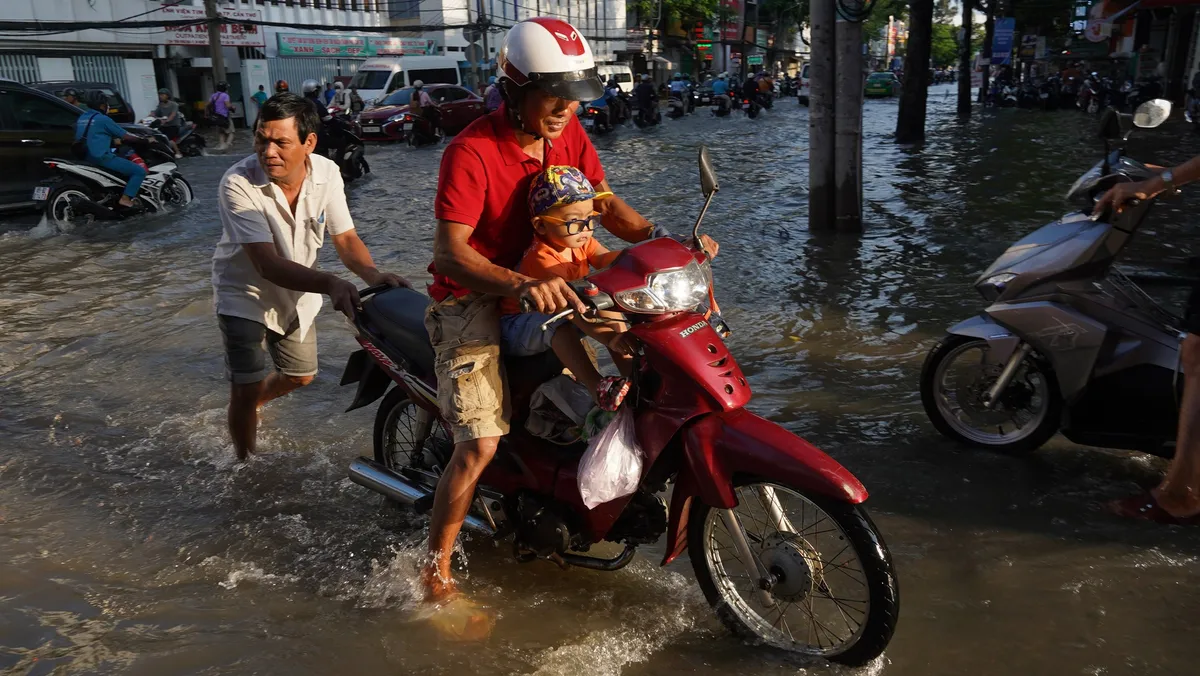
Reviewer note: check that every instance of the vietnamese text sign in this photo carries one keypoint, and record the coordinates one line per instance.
(400, 46)
(1002, 41)
(232, 35)
(1028, 46)
(292, 44)
(754, 60)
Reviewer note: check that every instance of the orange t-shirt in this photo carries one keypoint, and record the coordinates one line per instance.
(542, 261)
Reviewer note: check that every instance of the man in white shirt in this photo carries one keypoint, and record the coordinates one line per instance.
(275, 206)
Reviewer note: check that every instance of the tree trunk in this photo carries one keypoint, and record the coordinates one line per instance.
(964, 61)
(986, 49)
(910, 124)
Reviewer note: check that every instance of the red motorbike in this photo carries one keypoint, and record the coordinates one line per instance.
(775, 530)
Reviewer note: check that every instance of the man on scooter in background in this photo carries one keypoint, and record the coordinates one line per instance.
(647, 98)
(98, 132)
(1177, 499)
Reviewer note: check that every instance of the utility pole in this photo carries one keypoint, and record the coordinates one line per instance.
(847, 162)
(483, 23)
(821, 115)
(964, 61)
(214, 40)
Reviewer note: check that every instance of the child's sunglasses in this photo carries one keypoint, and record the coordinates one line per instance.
(578, 225)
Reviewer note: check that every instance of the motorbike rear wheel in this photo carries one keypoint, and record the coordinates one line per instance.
(60, 209)
(831, 585)
(410, 440)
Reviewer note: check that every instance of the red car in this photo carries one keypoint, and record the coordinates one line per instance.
(458, 107)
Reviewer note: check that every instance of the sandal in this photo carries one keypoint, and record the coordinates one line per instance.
(1146, 508)
(611, 392)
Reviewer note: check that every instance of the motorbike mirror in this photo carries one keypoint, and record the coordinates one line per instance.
(1110, 125)
(1152, 113)
(708, 178)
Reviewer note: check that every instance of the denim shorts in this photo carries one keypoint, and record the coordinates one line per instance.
(521, 335)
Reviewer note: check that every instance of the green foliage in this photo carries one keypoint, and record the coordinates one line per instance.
(689, 11)
(944, 47)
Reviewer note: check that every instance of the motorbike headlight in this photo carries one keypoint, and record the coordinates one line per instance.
(672, 291)
(993, 286)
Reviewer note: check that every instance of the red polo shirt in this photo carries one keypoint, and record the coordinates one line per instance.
(484, 183)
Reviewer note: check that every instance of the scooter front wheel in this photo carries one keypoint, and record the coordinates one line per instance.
(954, 378)
(823, 581)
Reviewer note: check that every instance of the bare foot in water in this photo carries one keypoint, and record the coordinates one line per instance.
(454, 615)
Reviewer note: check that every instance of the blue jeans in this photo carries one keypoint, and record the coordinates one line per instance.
(124, 167)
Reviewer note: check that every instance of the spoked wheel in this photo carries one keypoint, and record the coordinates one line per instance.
(177, 192)
(411, 441)
(62, 209)
(954, 380)
(822, 581)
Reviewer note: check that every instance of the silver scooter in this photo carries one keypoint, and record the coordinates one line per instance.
(1068, 342)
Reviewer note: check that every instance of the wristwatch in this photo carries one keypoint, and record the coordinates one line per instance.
(1168, 180)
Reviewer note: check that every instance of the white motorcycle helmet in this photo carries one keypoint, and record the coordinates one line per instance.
(551, 55)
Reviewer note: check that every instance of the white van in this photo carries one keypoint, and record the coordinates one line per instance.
(802, 91)
(376, 78)
(621, 72)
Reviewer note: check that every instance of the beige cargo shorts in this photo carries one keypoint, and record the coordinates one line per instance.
(472, 394)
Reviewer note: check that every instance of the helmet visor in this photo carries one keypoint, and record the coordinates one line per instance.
(576, 85)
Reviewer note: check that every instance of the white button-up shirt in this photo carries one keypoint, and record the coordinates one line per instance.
(253, 210)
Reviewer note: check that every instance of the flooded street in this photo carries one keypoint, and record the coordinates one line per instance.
(131, 543)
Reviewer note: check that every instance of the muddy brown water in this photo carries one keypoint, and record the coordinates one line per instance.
(131, 543)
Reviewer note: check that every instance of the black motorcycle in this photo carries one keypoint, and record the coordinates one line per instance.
(647, 115)
(345, 147)
(721, 106)
(596, 119)
(752, 105)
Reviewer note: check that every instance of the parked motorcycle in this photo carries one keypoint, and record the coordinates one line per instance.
(1091, 94)
(79, 193)
(189, 142)
(1067, 342)
(1147, 89)
(345, 146)
(765, 516)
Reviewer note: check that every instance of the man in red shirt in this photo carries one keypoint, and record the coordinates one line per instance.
(482, 231)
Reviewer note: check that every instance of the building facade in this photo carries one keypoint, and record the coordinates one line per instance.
(139, 61)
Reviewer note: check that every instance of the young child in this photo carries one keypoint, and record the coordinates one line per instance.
(561, 203)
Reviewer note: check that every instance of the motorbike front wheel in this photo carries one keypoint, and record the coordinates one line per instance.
(177, 192)
(954, 378)
(825, 585)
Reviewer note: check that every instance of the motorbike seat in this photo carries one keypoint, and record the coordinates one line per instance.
(400, 315)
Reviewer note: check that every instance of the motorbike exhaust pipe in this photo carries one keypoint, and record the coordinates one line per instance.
(369, 474)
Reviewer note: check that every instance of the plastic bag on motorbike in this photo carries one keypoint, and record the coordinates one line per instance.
(612, 465)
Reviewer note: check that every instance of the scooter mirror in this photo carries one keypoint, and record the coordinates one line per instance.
(1152, 113)
(708, 178)
(1110, 125)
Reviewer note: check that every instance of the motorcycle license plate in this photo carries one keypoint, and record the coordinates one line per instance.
(371, 130)
(41, 193)
(408, 126)
(589, 123)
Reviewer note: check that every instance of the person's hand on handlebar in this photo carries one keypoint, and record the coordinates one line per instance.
(1119, 194)
(551, 296)
(390, 278)
(343, 295)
